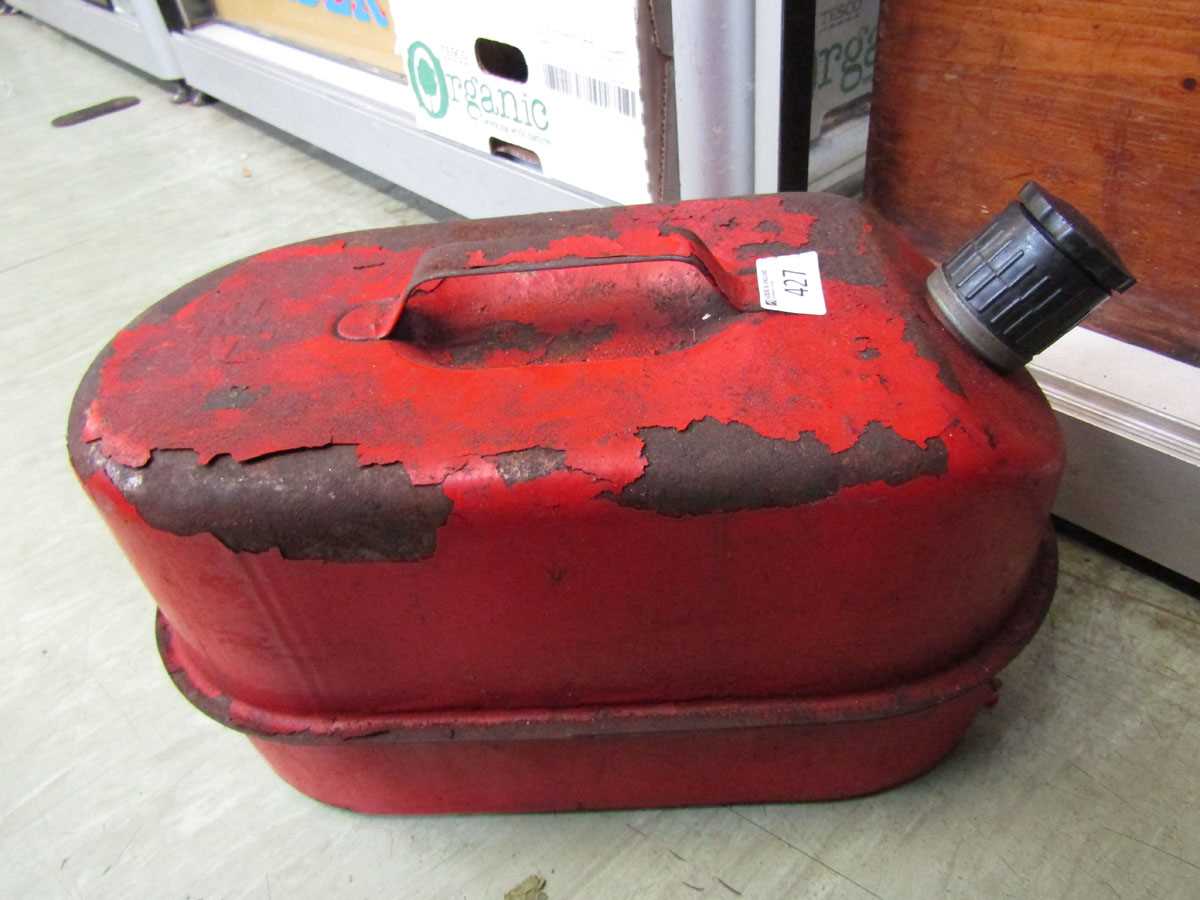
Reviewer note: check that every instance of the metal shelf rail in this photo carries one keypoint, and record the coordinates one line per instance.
(138, 36)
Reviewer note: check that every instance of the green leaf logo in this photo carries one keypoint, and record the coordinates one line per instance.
(428, 82)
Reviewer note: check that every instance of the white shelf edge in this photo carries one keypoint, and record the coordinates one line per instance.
(1131, 421)
(1142, 395)
(768, 52)
(713, 47)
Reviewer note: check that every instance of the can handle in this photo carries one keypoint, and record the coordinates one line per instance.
(375, 321)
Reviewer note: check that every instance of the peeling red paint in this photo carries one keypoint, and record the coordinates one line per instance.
(269, 323)
(520, 592)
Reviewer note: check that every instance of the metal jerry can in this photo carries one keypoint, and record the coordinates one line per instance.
(565, 511)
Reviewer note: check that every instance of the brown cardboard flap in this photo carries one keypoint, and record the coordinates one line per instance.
(362, 31)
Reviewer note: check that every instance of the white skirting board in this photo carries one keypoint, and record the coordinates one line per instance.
(1131, 419)
(838, 158)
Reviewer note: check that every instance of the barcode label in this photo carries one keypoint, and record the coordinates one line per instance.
(791, 284)
(593, 90)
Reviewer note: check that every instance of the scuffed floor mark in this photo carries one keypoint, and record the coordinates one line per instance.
(712, 466)
(532, 888)
(94, 112)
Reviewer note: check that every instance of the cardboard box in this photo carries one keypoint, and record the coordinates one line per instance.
(584, 95)
(357, 30)
(844, 60)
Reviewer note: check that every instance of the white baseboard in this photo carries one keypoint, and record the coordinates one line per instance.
(1131, 419)
(837, 159)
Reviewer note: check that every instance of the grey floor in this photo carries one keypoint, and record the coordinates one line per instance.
(1083, 782)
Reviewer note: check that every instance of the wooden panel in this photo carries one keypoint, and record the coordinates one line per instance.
(1099, 101)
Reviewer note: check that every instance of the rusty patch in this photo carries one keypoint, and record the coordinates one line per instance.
(576, 342)
(314, 503)
(767, 248)
(814, 204)
(837, 234)
(473, 349)
(236, 396)
(496, 337)
(768, 226)
(701, 304)
(916, 332)
(839, 238)
(217, 706)
(711, 467)
(693, 313)
(78, 451)
(880, 454)
(517, 466)
(868, 353)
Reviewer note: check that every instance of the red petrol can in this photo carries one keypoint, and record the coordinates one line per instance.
(549, 512)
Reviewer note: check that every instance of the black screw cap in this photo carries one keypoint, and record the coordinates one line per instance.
(1026, 279)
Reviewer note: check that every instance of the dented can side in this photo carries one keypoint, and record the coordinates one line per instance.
(661, 754)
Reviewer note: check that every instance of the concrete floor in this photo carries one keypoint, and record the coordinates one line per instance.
(1083, 782)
